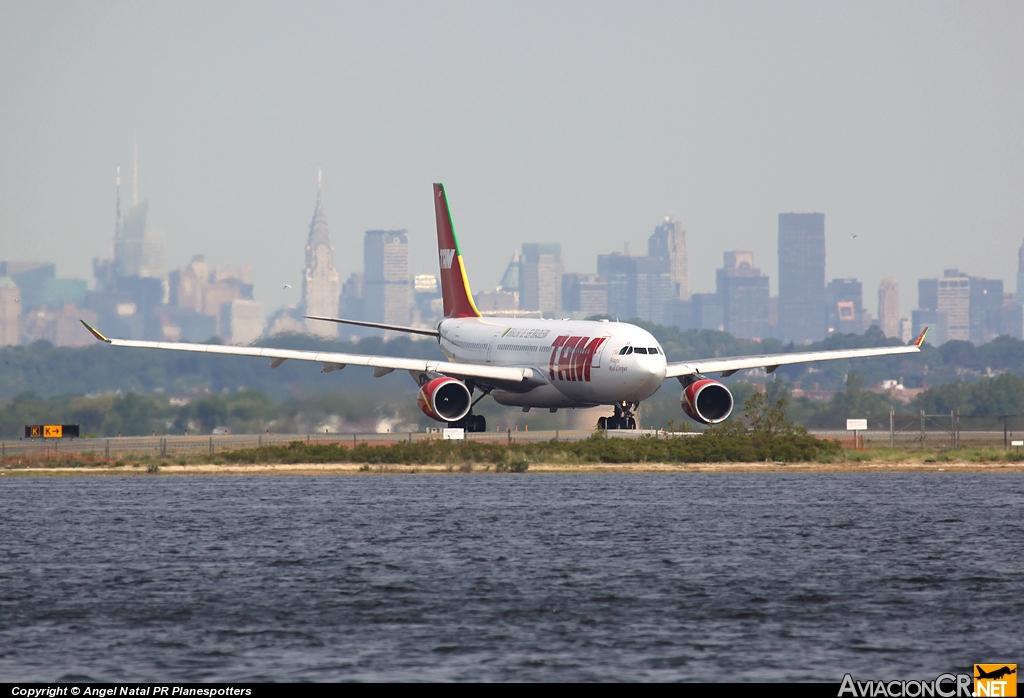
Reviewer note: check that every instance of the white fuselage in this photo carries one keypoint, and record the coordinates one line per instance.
(576, 363)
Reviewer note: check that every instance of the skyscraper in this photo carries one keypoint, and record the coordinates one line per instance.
(653, 290)
(1020, 274)
(138, 249)
(802, 276)
(744, 295)
(321, 287)
(845, 311)
(387, 287)
(10, 312)
(619, 271)
(669, 242)
(954, 299)
(889, 307)
(540, 277)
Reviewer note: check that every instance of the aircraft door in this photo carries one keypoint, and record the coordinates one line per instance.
(490, 345)
(595, 359)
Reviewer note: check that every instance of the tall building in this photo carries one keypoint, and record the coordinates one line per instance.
(619, 271)
(653, 290)
(510, 279)
(352, 297)
(889, 307)
(10, 312)
(845, 311)
(744, 295)
(986, 309)
(505, 298)
(387, 289)
(669, 242)
(321, 287)
(1020, 274)
(540, 277)
(801, 276)
(198, 296)
(241, 321)
(132, 284)
(584, 294)
(954, 299)
(427, 299)
(708, 313)
(138, 249)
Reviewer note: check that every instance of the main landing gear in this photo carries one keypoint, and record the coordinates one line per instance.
(472, 422)
(624, 417)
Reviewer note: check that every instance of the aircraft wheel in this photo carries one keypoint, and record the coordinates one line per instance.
(630, 423)
(602, 422)
(479, 423)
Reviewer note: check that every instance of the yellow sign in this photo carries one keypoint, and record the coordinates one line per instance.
(52, 431)
(995, 680)
(35, 431)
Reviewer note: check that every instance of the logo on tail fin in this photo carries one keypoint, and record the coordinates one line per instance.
(446, 257)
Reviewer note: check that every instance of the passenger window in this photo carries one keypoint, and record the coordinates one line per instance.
(640, 350)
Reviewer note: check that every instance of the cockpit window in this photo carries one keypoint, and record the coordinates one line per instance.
(626, 350)
(653, 350)
(640, 350)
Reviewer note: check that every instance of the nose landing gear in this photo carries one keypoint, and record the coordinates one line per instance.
(624, 417)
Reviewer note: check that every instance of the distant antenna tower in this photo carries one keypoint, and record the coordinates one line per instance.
(135, 170)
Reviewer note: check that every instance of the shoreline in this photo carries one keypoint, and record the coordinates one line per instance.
(278, 469)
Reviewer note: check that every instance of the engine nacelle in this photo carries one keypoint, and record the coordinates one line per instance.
(445, 399)
(707, 401)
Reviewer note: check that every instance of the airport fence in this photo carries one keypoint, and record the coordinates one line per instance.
(120, 448)
(937, 431)
(921, 431)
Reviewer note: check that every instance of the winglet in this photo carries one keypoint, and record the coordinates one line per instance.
(95, 332)
(920, 339)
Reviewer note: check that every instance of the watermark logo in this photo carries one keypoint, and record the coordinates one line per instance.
(942, 686)
(995, 680)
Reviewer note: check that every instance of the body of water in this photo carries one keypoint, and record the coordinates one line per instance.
(715, 577)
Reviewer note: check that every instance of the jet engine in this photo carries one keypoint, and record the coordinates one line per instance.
(445, 399)
(707, 401)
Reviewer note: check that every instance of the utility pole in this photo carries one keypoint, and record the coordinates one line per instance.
(892, 434)
(922, 429)
(1006, 443)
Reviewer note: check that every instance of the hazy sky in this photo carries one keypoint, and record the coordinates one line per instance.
(579, 123)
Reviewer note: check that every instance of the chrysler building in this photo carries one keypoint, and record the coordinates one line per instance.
(321, 288)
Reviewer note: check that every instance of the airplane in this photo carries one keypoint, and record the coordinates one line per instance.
(533, 363)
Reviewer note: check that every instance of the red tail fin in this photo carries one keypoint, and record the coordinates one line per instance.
(458, 299)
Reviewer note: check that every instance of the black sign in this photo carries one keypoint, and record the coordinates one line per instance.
(51, 431)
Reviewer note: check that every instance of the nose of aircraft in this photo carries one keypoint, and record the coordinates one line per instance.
(652, 371)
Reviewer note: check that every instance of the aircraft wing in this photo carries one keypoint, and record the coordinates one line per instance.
(333, 361)
(729, 366)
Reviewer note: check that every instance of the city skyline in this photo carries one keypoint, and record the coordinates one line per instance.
(206, 301)
(563, 125)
